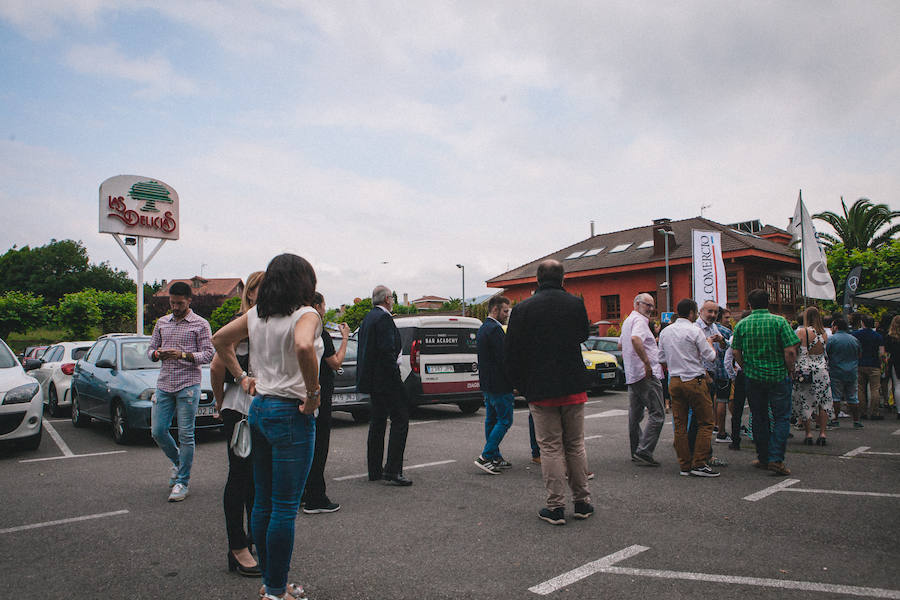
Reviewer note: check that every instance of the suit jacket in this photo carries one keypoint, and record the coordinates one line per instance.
(491, 375)
(543, 345)
(379, 345)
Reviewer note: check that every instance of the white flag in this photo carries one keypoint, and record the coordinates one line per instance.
(817, 279)
(709, 268)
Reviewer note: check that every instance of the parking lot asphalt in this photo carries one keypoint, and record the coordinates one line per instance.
(86, 518)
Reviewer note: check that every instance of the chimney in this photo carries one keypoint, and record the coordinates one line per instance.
(592, 229)
(659, 239)
(405, 299)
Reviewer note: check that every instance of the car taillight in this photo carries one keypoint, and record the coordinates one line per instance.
(414, 356)
(68, 368)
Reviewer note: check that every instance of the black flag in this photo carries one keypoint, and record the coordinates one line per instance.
(851, 287)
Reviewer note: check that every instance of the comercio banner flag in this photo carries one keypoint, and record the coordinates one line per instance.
(709, 268)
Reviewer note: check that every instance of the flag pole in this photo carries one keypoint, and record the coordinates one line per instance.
(802, 262)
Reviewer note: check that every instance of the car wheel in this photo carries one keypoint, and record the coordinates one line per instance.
(469, 408)
(121, 433)
(53, 401)
(34, 441)
(79, 419)
(360, 415)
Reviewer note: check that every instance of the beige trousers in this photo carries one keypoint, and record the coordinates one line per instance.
(560, 434)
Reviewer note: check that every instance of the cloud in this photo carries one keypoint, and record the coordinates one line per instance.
(155, 75)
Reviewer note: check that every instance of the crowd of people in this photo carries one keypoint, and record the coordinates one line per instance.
(272, 366)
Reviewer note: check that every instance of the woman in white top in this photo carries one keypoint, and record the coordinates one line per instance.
(812, 385)
(233, 405)
(285, 349)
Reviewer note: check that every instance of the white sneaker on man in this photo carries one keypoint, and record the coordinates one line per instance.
(179, 493)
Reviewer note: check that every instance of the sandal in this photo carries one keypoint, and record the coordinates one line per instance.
(293, 591)
(822, 441)
(808, 441)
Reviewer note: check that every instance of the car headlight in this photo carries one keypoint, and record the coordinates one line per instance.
(21, 394)
(147, 394)
(587, 362)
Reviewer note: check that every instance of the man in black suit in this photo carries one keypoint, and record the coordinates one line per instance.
(497, 391)
(378, 374)
(543, 361)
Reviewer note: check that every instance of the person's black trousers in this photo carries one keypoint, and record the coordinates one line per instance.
(314, 493)
(238, 496)
(395, 405)
(737, 407)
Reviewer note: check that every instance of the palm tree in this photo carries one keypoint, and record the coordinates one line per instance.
(858, 227)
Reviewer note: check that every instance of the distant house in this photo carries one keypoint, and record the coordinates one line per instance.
(608, 270)
(208, 294)
(429, 302)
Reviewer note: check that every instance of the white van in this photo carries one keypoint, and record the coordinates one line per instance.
(439, 360)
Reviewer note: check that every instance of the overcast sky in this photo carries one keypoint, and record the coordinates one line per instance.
(388, 141)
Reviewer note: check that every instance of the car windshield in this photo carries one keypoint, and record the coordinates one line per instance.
(351, 347)
(7, 358)
(584, 347)
(79, 353)
(134, 356)
(606, 345)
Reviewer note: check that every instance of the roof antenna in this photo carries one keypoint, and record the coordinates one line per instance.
(704, 207)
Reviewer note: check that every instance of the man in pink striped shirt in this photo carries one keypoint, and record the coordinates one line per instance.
(182, 340)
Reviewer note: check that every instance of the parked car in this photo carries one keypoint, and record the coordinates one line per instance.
(601, 368)
(610, 345)
(32, 352)
(116, 381)
(55, 373)
(439, 360)
(21, 408)
(346, 397)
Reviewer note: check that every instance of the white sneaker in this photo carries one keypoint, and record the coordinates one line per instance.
(723, 440)
(173, 475)
(843, 415)
(179, 493)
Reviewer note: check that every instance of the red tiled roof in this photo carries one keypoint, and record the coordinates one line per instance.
(225, 286)
(679, 247)
(430, 299)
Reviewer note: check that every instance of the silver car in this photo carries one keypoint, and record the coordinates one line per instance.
(345, 397)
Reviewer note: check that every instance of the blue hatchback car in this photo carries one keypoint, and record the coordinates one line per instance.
(115, 382)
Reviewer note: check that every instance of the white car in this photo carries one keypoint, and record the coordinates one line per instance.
(55, 373)
(21, 408)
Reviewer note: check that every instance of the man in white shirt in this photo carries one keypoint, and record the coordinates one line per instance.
(684, 348)
(643, 375)
(720, 388)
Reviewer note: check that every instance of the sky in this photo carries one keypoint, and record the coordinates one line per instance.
(387, 142)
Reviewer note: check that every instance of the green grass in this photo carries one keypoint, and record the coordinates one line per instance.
(44, 337)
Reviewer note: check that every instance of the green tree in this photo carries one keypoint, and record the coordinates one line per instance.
(857, 228)
(78, 312)
(118, 311)
(225, 313)
(451, 305)
(881, 266)
(354, 315)
(21, 312)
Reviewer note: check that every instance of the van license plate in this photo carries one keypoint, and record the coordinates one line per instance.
(343, 398)
(439, 369)
(607, 375)
(206, 411)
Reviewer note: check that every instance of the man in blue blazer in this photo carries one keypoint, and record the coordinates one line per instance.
(497, 391)
(378, 374)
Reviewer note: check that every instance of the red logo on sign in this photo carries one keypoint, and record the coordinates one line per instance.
(131, 218)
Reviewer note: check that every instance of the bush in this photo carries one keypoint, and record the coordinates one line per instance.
(21, 312)
(79, 312)
(118, 311)
(225, 313)
(355, 314)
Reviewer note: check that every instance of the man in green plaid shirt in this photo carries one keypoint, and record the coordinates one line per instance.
(766, 348)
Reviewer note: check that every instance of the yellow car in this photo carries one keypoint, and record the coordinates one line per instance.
(601, 367)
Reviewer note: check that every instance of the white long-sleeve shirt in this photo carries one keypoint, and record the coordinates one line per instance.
(683, 347)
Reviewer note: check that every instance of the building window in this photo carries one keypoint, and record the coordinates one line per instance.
(731, 283)
(611, 308)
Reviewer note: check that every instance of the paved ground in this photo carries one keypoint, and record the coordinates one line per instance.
(460, 533)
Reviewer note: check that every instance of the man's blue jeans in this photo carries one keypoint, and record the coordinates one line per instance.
(498, 420)
(762, 396)
(283, 441)
(183, 405)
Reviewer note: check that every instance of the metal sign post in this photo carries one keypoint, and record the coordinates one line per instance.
(128, 205)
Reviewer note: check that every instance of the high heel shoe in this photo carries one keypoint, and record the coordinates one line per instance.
(808, 441)
(821, 442)
(235, 565)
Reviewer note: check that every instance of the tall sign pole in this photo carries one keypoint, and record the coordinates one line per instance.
(138, 208)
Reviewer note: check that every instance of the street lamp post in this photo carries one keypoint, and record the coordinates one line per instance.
(666, 233)
(463, 267)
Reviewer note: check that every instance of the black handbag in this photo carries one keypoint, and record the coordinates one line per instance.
(244, 361)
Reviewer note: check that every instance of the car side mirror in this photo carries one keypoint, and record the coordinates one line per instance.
(105, 363)
(33, 363)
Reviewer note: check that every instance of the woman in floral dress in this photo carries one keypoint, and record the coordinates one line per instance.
(812, 386)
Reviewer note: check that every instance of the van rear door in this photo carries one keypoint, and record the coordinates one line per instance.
(448, 362)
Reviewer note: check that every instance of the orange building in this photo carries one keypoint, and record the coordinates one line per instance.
(608, 270)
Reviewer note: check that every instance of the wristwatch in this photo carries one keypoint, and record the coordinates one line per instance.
(183, 355)
(315, 394)
(240, 377)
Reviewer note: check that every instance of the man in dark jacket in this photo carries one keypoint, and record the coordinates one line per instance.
(497, 391)
(543, 361)
(378, 374)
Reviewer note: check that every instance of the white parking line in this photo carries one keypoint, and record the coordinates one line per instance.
(896, 432)
(62, 521)
(613, 412)
(30, 460)
(64, 448)
(771, 490)
(883, 453)
(605, 565)
(421, 422)
(854, 452)
(593, 437)
(405, 468)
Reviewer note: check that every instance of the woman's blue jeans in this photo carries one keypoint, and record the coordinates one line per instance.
(283, 441)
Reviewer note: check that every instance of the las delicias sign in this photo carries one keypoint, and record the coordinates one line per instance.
(139, 206)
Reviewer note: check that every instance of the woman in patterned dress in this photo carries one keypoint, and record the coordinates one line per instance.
(812, 396)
